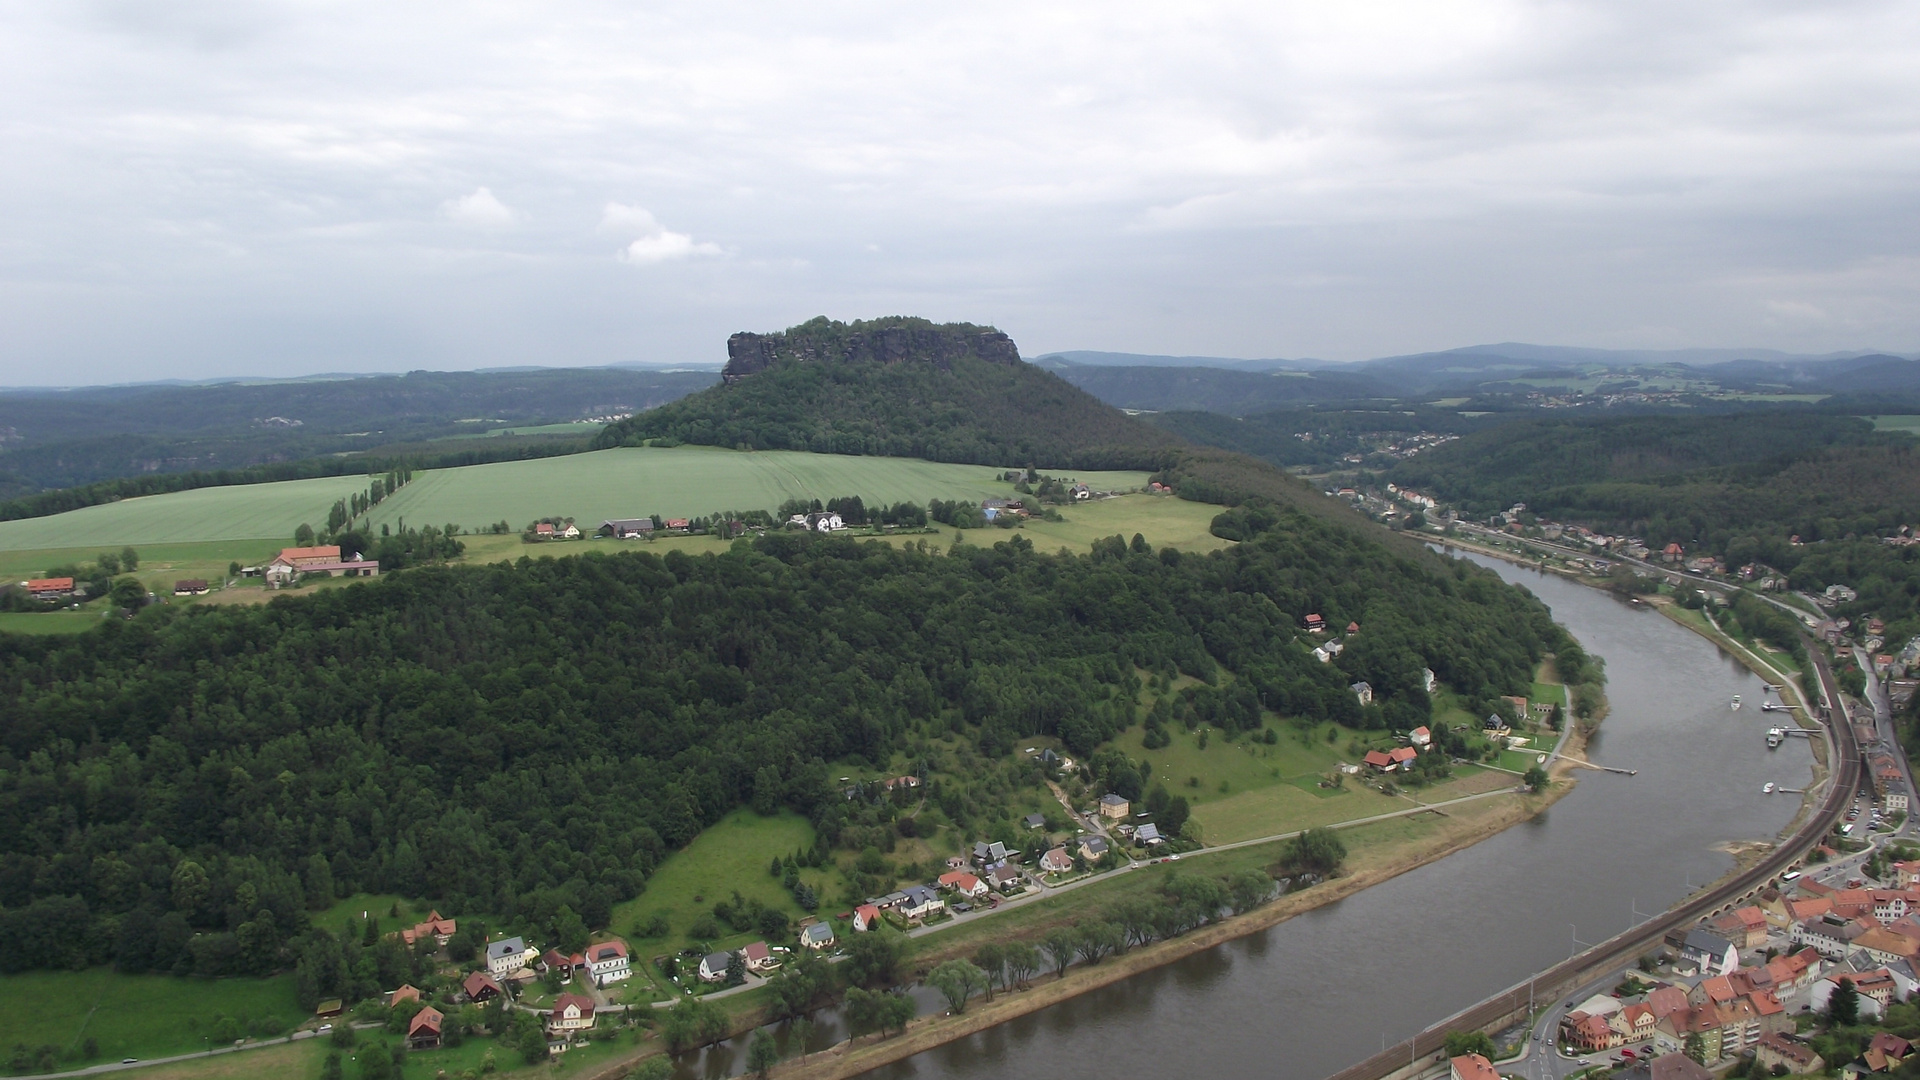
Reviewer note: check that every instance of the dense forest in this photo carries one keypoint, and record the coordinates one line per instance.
(1814, 495)
(899, 387)
(179, 791)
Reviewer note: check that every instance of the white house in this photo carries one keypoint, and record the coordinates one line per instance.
(865, 918)
(713, 966)
(921, 902)
(571, 1013)
(1363, 691)
(508, 956)
(819, 935)
(607, 962)
(1428, 679)
(1711, 953)
(1421, 737)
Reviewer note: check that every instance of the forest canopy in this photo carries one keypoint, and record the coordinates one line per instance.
(178, 792)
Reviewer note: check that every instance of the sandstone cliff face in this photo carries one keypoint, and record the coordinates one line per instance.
(882, 341)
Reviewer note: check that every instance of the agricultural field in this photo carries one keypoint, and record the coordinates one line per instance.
(241, 512)
(686, 481)
(142, 1016)
(1910, 424)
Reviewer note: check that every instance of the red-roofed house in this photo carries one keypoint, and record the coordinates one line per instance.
(1471, 1067)
(963, 883)
(865, 918)
(407, 992)
(1667, 1000)
(291, 562)
(571, 1013)
(1315, 623)
(1378, 759)
(423, 1031)
(436, 927)
(1403, 756)
(480, 987)
(50, 588)
(1588, 1033)
(1777, 1049)
(607, 961)
(759, 958)
(1746, 927)
(1811, 908)
(1634, 1023)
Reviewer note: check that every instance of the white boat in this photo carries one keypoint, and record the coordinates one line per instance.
(1774, 737)
(1768, 790)
(1736, 702)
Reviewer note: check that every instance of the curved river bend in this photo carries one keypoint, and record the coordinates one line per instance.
(1316, 993)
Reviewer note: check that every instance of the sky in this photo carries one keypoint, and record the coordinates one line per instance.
(198, 189)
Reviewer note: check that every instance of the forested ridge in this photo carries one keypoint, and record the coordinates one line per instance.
(179, 791)
(1810, 494)
(900, 387)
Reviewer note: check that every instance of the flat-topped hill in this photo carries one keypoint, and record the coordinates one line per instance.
(900, 387)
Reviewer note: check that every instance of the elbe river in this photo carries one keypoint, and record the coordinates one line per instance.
(1320, 991)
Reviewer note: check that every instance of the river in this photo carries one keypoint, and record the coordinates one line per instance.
(1314, 994)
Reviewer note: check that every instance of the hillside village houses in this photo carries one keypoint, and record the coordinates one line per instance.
(504, 958)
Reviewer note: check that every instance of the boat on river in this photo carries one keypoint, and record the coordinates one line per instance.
(1768, 790)
(1775, 736)
(1736, 703)
(1771, 706)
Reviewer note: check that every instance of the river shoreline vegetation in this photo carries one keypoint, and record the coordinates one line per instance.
(204, 793)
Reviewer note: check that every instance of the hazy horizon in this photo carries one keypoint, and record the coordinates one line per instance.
(223, 190)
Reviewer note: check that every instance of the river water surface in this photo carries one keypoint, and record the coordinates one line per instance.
(1314, 994)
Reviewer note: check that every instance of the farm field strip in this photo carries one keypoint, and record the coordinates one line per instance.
(239, 512)
(682, 482)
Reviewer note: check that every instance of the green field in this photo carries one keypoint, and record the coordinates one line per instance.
(52, 622)
(1909, 424)
(733, 853)
(682, 482)
(141, 1016)
(687, 481)
(241, 512)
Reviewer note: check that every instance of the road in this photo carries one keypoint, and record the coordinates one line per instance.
(1888, 735)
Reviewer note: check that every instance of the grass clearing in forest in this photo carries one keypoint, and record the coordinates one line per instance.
(143, 1016)
(731, 854)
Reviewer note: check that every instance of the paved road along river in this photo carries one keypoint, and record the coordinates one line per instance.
(1314, 994)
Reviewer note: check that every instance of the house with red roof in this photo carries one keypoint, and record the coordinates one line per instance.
(1421, 737)
(1587, 1032)
(1403, 756)
(571, 1013)
(423, 1031)
(759, 958)
(50, 588)
(1471, 1067)
(963, 883)
(1315, 624)
(407, 992)
(865, 917)
(437, 927)
(1379, 759)
(480, 986)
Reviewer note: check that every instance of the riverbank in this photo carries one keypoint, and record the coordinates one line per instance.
(1791, 690)
(1370, 864)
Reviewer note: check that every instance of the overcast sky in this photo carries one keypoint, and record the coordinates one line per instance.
(196, 188)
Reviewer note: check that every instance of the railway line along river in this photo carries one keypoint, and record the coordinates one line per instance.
(1316, 993)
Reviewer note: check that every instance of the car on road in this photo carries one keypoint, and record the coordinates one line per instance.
(129, 1061)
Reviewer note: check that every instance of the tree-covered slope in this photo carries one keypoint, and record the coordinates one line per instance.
(900, 387)
(179, 791)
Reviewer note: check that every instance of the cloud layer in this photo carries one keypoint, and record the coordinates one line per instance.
(209, 188)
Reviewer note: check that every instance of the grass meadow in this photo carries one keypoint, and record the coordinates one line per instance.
(687, 481)
(242, 512)
(733, 853)
(142, 1016)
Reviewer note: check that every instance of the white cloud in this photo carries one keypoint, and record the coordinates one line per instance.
(480, 208)
(656, 242)
(1250, 177)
